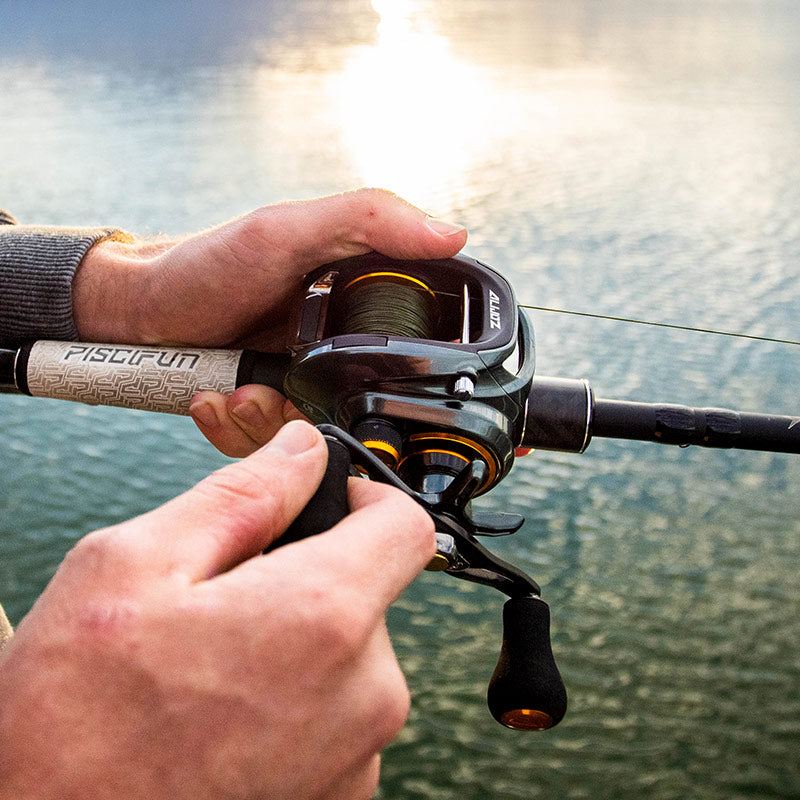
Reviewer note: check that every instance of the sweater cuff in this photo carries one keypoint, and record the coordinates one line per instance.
(37, 265)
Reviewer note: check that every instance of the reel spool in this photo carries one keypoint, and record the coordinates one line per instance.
(389, 304)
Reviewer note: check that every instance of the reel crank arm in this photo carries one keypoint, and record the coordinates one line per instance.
(525, 691)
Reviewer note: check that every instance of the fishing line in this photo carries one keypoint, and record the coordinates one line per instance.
(397, 304)
(672, 326)
(390, 304)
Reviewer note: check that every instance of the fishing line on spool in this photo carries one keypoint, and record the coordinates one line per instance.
(389, 304)
(394, 304)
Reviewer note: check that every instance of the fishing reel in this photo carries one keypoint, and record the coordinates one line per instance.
(428, 363)
(418, 374)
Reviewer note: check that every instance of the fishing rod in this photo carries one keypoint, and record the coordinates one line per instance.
(419, 374)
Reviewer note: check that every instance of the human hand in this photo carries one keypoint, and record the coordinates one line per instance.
(235, 285)
(169, 659)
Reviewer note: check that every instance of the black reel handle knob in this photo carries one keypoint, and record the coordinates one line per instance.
(526, 691)
(328, 505)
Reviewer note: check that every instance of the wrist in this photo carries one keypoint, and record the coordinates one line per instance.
(109, 291)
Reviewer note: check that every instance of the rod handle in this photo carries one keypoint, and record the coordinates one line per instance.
(526, 691)
(145, 377)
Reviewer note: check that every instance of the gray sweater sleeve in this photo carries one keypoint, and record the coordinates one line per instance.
(37, 265)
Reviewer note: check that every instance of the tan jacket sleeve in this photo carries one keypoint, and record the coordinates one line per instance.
(6, 631)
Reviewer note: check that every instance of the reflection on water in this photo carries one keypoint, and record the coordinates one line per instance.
(400, 102)
(627, 158)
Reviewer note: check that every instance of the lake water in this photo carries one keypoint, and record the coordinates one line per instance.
(627, 158)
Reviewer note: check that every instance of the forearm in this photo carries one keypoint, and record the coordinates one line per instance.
(37, 268)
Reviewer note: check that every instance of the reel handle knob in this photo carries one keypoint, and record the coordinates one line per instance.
(526, 691)
(328, 505)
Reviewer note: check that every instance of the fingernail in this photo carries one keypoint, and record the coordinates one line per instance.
(444, 228)
(205, 414)
(249, 413)
(294, 438)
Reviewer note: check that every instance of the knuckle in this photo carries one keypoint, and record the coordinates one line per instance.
(339, 630)
(343, 631)
(90, 550)
(99, 553)
(95, 595)
(110, 624)
(369, 201)
(234, 481)
(391, 709)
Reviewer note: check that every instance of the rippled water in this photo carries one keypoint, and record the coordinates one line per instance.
(637, 159)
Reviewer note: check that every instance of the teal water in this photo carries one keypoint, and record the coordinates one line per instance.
(627, 158)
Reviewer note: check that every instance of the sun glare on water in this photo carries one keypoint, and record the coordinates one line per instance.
(411, 112)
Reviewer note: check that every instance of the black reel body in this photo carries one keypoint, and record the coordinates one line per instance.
(428, 362)
(421, 371)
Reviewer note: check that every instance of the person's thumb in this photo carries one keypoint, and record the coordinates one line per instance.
(384, 222)
(349, 224)
(233, 514)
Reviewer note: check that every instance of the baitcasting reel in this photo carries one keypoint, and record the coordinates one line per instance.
(426, 368)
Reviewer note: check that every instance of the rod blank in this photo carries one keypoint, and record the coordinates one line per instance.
(705, 427)
(564, 415)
